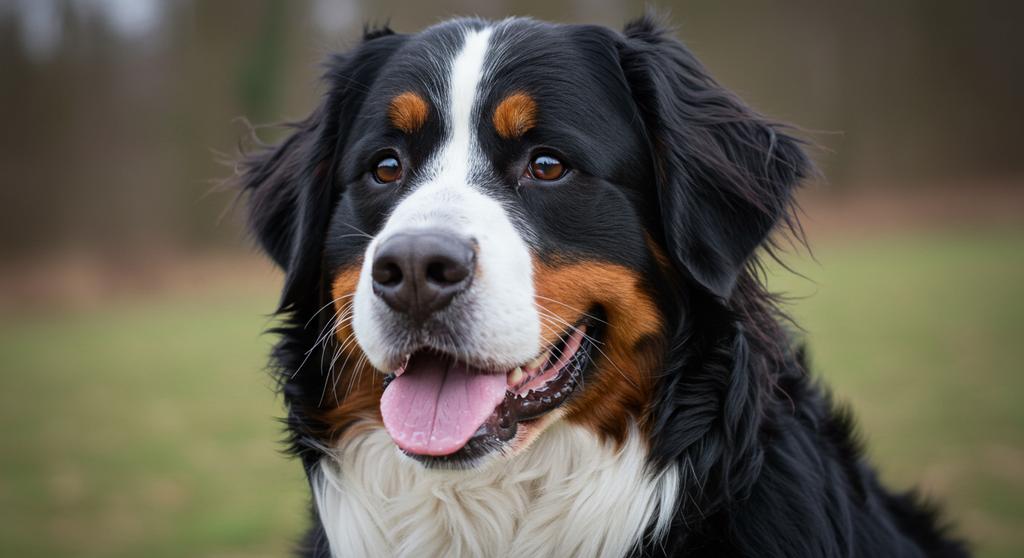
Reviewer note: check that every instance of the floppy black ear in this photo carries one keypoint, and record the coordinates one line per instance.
(725, 174)
(291, 185)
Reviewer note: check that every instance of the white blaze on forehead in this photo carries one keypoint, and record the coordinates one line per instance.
(454, 161)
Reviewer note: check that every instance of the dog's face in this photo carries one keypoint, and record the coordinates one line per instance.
(505, 219)
(506, 232)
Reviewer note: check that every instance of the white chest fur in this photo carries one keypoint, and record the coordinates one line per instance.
(567, 495)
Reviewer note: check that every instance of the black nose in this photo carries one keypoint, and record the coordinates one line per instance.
(419, 272)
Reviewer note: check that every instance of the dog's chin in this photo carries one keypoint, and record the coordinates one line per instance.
(476, 415)
(473, 456)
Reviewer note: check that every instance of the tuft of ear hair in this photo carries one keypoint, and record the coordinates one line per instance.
(725, 175)
(372, 31)
(291, 185)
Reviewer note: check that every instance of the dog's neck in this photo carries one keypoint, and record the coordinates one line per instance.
(569, 494)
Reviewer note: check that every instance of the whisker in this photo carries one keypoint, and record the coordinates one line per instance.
(357, 371)
(325, 306)
(582, 313)
(332, 326)
(545, 311)
(361, 234)
(330, 372)
(360, 367)
(358, 230)
(328, 329)
(338, 371)
(557, 352)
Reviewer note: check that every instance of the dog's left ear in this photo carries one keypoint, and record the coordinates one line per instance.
(725, 174)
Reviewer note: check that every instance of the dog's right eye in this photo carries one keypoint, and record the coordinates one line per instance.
(545, 168)
(387, 170)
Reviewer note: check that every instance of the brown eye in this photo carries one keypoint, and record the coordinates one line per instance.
(388, 169)
(545, 167)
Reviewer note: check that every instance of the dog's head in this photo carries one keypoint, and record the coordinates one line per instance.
(506, 221)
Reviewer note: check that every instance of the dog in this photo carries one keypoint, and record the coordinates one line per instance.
(522, 314)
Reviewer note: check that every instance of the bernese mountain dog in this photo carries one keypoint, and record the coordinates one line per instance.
(522, 313)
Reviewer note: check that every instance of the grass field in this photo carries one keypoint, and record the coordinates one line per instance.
(146, 428)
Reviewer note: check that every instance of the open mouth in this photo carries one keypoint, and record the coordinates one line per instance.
(440, 410)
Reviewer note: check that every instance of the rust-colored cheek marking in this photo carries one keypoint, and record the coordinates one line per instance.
(408, 112)
(515, 115)
(354, 388)
(621, 390)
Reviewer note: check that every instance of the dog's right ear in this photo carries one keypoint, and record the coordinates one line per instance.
(291, 185)
(725, 175)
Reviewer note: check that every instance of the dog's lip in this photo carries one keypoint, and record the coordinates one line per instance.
(482, 364)
(529, 367)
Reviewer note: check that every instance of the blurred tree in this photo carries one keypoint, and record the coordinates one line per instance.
(115, 110)
(260, 79)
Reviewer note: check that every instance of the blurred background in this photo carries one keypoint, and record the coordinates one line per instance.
(137, 417)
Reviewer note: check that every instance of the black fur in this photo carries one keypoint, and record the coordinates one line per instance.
(771, 466)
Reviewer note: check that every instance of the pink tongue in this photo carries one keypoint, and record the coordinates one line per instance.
(435, 406)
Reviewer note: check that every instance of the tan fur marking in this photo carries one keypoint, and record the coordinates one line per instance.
(408, 112)
(621, 390)
(356, 388)
(515, 115)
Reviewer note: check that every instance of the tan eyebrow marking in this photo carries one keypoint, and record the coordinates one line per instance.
(408, 112)
(515, 115)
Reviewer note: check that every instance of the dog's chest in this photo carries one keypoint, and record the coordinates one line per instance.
(567, 495)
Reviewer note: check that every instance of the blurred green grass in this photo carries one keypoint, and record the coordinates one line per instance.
(923, 334)
(146, 428)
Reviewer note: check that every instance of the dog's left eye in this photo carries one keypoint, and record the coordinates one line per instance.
(387, 170)
(545, 168)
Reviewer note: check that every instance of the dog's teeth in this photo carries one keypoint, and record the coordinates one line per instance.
(539, 361)
(515, 376)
